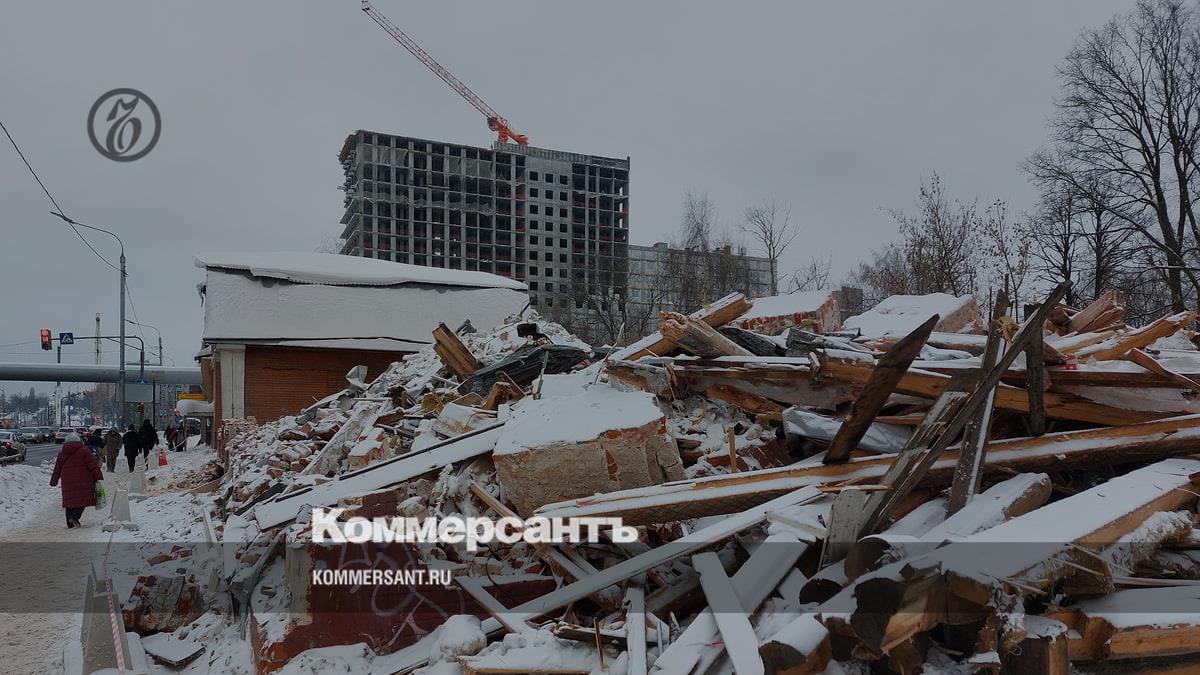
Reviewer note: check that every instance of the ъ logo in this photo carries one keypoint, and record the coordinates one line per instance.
(124, 125)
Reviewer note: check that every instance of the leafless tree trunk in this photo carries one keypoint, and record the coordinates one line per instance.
(1125, 133)
(770, 226)
(813, 276)
(1008, 250)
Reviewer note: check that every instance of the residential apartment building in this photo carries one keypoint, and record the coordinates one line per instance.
(662, 278)
(558, 221)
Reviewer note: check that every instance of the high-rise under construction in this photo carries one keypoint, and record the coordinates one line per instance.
(559, 221)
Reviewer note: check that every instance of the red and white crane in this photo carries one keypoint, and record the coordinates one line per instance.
(495, 121)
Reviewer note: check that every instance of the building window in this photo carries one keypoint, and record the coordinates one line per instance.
(562, 258)
(533, 208)
(562, 228)
(533, 175)
(548, 256)
(532, 269)
(562, 213)
(549, 272)
(533, 192)
(562, 180)
(533, 241)
(549, 302)
(549, 178)
(562, 243)
(533, 285)
(549, 288)
(562, 196)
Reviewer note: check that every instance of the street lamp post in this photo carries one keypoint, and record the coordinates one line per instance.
(146, 325)
(121, 376)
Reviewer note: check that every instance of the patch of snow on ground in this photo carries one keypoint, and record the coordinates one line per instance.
(24, 491)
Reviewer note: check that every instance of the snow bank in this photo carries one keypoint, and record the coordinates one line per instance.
(345, 270)
(24, 491)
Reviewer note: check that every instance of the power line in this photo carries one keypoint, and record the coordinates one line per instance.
(51, 197)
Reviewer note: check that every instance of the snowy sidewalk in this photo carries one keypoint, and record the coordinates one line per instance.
(32, 521)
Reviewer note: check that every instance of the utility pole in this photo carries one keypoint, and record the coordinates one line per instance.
(121, 377)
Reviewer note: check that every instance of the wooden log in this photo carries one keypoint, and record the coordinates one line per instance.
(1134, 624)
(453, 352)
(801, 647)
(888, 371)
(696, 337)
(1098, 314)
(1044, 649)
(1035, 384)
(1136, 339)
(716, 315)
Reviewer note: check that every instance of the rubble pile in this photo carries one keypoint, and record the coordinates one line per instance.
(923, 489)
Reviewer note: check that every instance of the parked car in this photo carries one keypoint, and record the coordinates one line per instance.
(31, 435)
(12, 450)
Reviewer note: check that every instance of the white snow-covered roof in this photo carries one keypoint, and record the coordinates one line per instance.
(243, 309)
(345, 270)
(902, 313)
(801, 302)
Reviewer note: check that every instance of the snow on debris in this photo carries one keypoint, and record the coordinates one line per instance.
(578, 417)
(800, 302)
(900, 314)
(345, 270)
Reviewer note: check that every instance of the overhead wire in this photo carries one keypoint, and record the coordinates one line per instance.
(52, 199)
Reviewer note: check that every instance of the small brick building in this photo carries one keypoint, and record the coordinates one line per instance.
(281, 330)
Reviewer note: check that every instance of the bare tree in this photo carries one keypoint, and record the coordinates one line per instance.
(1008, 250)
(1126, 130)
(813, 276)
(330, 244)
(770, 226)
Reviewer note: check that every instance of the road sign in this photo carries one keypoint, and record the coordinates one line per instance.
(66, 338)
(191, 397)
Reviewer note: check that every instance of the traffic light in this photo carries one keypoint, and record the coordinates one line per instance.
(46, 339)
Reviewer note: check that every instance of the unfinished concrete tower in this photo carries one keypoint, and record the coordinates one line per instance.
(558, 221)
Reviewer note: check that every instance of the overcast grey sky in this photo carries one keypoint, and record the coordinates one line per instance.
(839, 108)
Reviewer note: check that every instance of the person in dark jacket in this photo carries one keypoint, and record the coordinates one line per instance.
(147, 437)
(133, 445)
(79, 472)
(112, 448)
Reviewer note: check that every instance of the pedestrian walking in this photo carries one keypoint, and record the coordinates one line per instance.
(95, 443)
(79, 472)
(131, 441)
(171, 434)
(112, 448)
(147, 437)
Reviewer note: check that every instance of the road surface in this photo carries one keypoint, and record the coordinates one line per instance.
(36, 454)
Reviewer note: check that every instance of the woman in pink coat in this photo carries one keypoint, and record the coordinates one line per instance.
(79, 472)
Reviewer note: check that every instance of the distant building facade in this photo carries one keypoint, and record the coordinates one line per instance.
(558, 221)
(662, 278)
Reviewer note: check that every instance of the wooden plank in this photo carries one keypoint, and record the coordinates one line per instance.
(635, 627)
(1035, 383)
(453, 352)
(1087, 318)
(696, 337)
(685, 545)
(716, 315)
(929, 384)
(511, 621)
(751, 403)
(957, 419)
(734, 625)
(718, 495)
(886, 374)
(1137, 339)
(845, 522)
(1141, 358)
(969, 470)
(753, 582)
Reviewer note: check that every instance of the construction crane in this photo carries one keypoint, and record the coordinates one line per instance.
(504, 132)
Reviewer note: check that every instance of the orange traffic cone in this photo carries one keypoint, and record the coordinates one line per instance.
(162, 456)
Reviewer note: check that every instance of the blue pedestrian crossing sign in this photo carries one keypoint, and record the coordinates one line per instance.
(66, 338)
